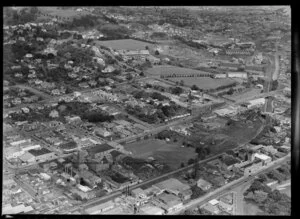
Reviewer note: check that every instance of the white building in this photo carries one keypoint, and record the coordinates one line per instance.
(265, 158)
(100, 208)
(229, 111)
(237, 75)
(151, 210)
(256, 102)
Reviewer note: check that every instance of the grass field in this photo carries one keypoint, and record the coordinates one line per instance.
(126, 44)
(169, 69)
(168, 153)
(65, 13)
(204, 83)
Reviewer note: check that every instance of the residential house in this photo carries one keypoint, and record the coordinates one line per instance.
(168, 202)
(102, 132)
(251, 168)
(218, 180)
(203, 184)
(108, 69)
(175, 187)
(100, 208)
(212, 209)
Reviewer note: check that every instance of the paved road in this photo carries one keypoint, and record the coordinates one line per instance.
(146, 183)
(229, 187)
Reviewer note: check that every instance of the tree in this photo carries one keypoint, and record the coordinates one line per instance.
(191, 161)
(156, 52)
(195, 87)
(177, 90)
(196, 192)
(262, 178)
(182, 165)
(146, 47)
(230, 91)
(181, 83)
(142, 74)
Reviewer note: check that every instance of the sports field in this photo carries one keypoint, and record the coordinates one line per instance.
(169, 69)
(169, 153)
(204, 82)
(126, 44)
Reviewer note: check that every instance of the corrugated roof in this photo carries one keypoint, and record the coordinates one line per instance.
(39, 152)
(172, 184)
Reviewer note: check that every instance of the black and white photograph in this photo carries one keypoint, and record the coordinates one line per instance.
(147, 110)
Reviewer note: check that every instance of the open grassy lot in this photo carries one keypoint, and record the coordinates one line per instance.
(173, 157)
(126, 44)
(204, 83)
(169, 153)
(251, 209)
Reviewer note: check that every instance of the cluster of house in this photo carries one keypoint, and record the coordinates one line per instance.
(170, 29)
(246, 162)
(182, 129)
(161, 198)
(100, 95)
(15, 200)
(232, 111)
(10, 100)
(120, 128)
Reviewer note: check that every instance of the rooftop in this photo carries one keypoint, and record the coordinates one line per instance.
(173, 184)
(262, 156)
(38, 152)
(96, 208)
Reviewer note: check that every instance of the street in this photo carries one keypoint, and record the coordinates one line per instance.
(230, 186)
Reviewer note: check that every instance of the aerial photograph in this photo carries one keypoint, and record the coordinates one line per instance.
(146, 110)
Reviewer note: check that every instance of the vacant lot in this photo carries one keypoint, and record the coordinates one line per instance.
(169, 153)
(244, 95)
(204, 83)
(127, 44)
(251, 209)
(242, 132)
